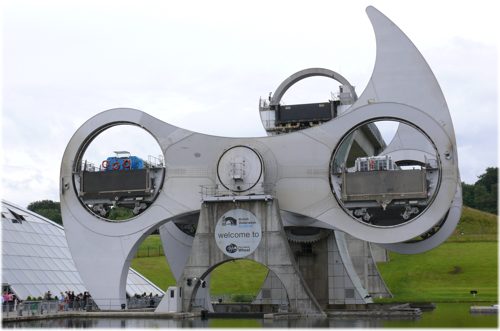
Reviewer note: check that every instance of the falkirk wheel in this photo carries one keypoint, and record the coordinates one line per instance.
(309, 201)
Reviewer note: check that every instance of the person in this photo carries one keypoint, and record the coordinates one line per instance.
(71, 296)
(10, 301)
(61, 302)
(66, 301)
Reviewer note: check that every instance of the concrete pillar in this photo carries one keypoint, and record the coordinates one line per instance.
(273, 251)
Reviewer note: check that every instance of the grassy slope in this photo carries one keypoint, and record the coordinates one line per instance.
(446, 273)
(468, 260)
(475, 225)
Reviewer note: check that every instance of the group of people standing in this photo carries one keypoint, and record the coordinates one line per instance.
(9, 301)
(69, 301)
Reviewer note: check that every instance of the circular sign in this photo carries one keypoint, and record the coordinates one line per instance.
(238, 233)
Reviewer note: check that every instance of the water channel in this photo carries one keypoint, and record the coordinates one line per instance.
(449, 315)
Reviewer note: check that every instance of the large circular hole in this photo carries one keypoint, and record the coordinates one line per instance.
(385, 173)
(120, 173)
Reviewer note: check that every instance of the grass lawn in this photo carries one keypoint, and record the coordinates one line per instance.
(238, 277)
(156, 269)
(475, 225)
(467, 261)
(446, 273)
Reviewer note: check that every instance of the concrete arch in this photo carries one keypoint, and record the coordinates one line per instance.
(310, 72)
(206, 256)
(207, 273)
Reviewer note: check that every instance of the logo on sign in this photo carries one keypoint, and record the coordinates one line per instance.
(231, 248)
(238, 233)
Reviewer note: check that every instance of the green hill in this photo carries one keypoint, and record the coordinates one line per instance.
(467, 261)
(475, 225)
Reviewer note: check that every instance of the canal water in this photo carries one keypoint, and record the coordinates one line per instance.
(446, 315)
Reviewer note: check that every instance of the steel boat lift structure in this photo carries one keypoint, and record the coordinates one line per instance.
(304, 164)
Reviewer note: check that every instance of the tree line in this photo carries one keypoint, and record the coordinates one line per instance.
(483, 194)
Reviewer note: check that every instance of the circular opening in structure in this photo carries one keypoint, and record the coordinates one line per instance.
(238, 281)
(385, 172)
(311, 90)
(120, 172)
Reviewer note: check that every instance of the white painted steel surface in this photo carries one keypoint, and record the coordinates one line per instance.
(297, 165)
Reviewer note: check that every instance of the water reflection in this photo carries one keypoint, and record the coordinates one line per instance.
(195, 323)
(445, 315)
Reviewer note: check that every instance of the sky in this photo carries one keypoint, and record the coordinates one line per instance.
(202, 66)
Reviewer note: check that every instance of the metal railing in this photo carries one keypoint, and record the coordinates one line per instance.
(46, 307)
(260, 192)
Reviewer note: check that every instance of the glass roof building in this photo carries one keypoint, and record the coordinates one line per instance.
(36, 258)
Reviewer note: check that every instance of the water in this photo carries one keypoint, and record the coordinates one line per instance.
(450, 315)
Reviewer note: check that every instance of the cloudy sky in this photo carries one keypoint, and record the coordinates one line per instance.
(202, 65)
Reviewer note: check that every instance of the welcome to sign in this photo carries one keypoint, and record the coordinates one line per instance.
(238, 233)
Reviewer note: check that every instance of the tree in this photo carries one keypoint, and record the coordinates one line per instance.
(483, 194)
(48, 209)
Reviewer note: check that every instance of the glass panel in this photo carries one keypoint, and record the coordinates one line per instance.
(57, 230)
(21, 263)
(69, 264)
(70, 277)
(47, 277)
(34, 227)
(7, 236)
(32, 277)
(21, 277)
(37, 239)
(64, 242)
(14, 249)
(57, 251)
(41, 264)
(43, 239)
(50, 263)
(26, 263)
(21, 235)
(8, 277)
(50, 253)
(6, 222)
(41, 289)
(46, 229)
(7, 262)
(25, 248)
(28, 227)
(66, 252)
(131, 290)
(31, 290)
(55, 277)
(40, 276)
(24, 275)
(64, 278)
(34, 251)
(77, 278)
(21, 291)
(30, 238)
(60, 288)
(45, 251)
(58, 264)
